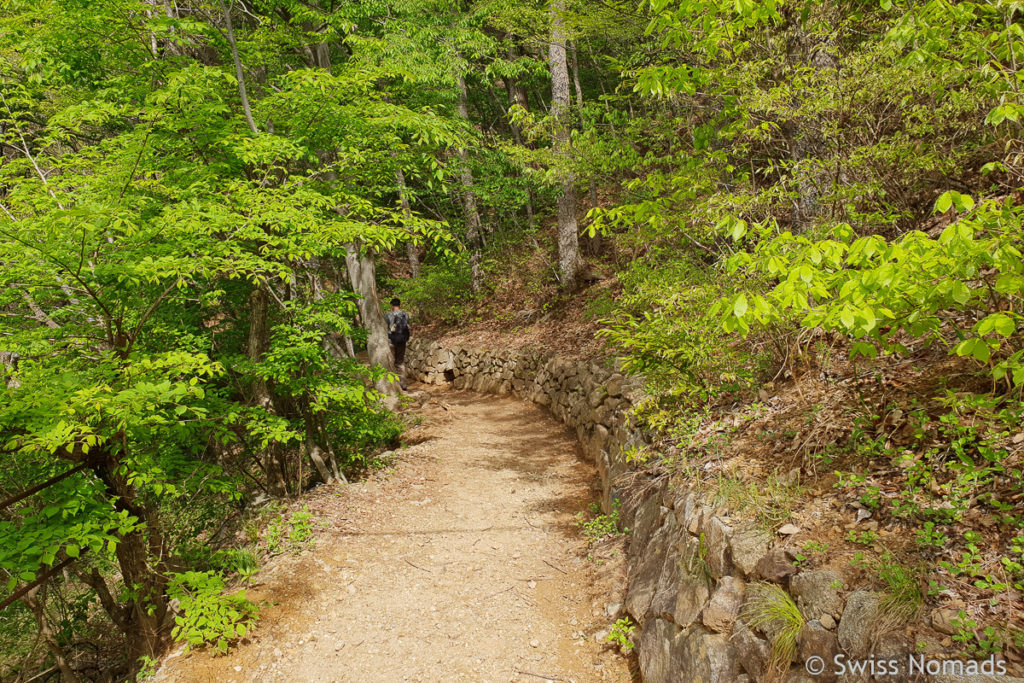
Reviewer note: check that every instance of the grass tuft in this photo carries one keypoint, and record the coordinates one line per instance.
(771, 609)
(903, 597)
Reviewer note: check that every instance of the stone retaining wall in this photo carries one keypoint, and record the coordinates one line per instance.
(691, 568)
(592, 399)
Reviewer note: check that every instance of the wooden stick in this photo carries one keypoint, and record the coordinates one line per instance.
(553, 566)
(540, 676)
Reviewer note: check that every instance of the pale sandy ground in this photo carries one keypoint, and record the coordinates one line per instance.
(464, 562)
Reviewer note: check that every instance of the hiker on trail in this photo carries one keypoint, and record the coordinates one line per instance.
(398, 334)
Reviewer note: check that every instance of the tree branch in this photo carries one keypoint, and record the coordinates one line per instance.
(238, 68)
(24, 148)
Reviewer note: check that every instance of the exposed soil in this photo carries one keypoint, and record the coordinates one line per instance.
(462, 562)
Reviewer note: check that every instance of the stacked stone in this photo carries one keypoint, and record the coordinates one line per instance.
(689, 568)
(689, 565)
(591, 399)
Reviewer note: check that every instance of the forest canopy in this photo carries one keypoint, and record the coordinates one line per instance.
(199, 200)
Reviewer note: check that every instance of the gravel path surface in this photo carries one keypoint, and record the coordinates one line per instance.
(463, 562)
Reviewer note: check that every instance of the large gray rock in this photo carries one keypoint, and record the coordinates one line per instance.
(752, 652)
(694, 587)
(666, 593)
(695, 514)
(647, 518)
(816, 641)
(818, 593)
(747, 547)
(657, 640)
(777, 566)
(703, 657)
(856, 628)
(724, 607)
(717, 547)
(691, 595)
(645, 573)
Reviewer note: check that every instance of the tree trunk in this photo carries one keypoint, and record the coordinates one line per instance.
(362, 274)
(411, 251)
(258, 342)
(35, 605)
(316, 454)
(569, 262)
(474, 228)
(807, 147)
(139, 556)
(238, 68)
(257, 345)
(517, 96)
(576, 80)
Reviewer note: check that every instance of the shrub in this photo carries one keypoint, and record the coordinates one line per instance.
(206, 614)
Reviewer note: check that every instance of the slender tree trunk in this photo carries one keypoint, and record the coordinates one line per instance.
(807, 147)
(474, 228)
(258, 342)
(330, 343)
(35, 605)
(238, 68)
(576, 78)
(591, 245)
(362, 274)
(517, 96)
(115, 611)
(597, 74)
(316, 453)
(411, 251)
(569, 262)
(332, 457)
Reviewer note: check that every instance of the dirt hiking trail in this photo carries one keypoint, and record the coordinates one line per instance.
(463, 562)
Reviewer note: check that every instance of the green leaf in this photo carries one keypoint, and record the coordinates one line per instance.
(1000, 323)
(981, 351)
(846, 317)
(740, 306)
(963, 202)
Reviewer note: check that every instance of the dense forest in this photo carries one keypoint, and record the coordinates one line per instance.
(204, 203)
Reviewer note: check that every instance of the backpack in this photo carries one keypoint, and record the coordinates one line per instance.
(398, 331)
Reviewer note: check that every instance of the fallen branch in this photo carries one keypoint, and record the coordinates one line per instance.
(422, 569)
(553, 566)
(540, 676)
